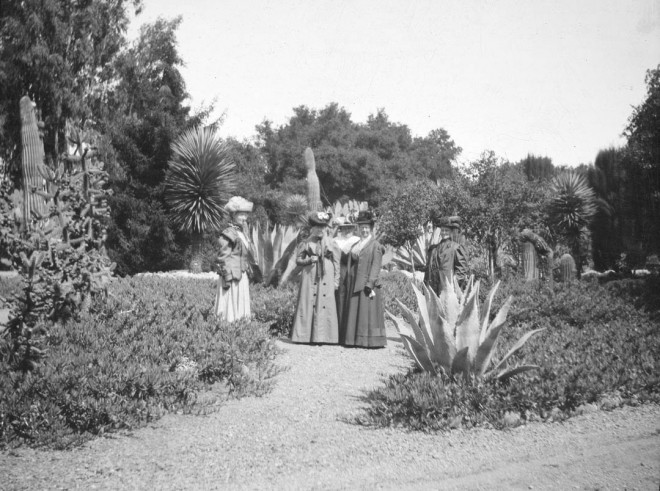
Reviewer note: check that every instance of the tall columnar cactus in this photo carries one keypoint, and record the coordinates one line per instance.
(567, 269)
(32, 159)
(530, 262)
(313, 188)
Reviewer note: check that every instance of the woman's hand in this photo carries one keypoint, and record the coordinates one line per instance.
(313, 259)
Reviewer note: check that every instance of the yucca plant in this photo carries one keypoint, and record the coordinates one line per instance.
(452, 334)
(572, 208)
(199, 181)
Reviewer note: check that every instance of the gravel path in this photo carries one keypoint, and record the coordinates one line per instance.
(297, 437)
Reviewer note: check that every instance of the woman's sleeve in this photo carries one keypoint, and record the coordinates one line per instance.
(225, 251)
(301, 256)
(376, 264)
(336, 260)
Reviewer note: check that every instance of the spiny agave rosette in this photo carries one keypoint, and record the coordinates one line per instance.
(452, 334)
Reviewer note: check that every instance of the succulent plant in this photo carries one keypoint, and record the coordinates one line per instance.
(270, 245)
(32, 160)
(452, 334)
(567, 268)
(313, 187)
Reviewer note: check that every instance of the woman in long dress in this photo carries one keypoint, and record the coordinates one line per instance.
(364, 318)
(345, 239)
(232, 300)
(316, 313)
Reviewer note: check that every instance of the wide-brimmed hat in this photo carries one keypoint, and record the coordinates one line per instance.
(237, 204)
(449, 222)
(365, 216)
(319, 218)
(342, 222)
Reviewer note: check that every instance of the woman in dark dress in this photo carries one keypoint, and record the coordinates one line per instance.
(363, 322)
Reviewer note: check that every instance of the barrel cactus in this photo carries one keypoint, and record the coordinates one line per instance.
(567, 269)
(453, 334)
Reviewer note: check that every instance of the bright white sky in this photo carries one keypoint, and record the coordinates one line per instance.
(554, 78)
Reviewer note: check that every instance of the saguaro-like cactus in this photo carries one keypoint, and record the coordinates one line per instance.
(313, 187)
(32, 159)
(530, 262)
(567, 269)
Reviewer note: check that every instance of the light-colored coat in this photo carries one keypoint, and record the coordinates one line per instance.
(316, 312)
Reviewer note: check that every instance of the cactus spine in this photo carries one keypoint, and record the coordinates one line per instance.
(313, 187)
(567, 268)
(32, 159)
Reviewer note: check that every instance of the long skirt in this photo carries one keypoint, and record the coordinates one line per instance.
(363, 317)
(234, 302)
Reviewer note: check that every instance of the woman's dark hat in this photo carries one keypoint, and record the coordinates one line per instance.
(365, 216)
(449, 222)
(319, 218)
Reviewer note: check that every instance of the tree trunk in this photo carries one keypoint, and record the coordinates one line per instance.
(196, 257)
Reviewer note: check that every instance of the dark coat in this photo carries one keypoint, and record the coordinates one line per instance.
(446, 258)
(363, 322)
(316, 312)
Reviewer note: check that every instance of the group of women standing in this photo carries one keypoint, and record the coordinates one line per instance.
(339, 300)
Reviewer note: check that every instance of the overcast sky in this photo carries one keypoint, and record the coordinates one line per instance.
(554, 78)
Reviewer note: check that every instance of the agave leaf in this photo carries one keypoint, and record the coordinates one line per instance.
(487, 346)
(519, 344)
(412, 322)
(467, 327)
(486, 312)
(419, 354)
(461, 363)
(449, 305)
(510, 372)
(443, 348)
(424, 321)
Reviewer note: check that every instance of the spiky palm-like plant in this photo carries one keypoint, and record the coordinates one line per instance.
(199, 181)
(453, 334)
(572, 208)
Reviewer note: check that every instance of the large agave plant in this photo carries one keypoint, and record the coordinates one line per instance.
(415, 254)
(271, 244)
(453, 334)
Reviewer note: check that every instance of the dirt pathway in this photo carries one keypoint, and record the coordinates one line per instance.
(297, 438)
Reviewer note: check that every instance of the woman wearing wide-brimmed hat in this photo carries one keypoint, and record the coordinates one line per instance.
(316, 314)
(363, 319)
(345, 238)
(232, 300)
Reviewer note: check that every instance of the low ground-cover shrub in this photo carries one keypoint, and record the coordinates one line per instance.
(153, 347)
(597, 348)
(275, 307)
(397, 285)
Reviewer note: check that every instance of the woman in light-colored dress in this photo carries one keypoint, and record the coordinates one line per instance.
(316, 314)
(345, 239)
(363, 322)
(232, 300)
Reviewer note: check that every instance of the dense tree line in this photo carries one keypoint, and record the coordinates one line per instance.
(74, 60)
